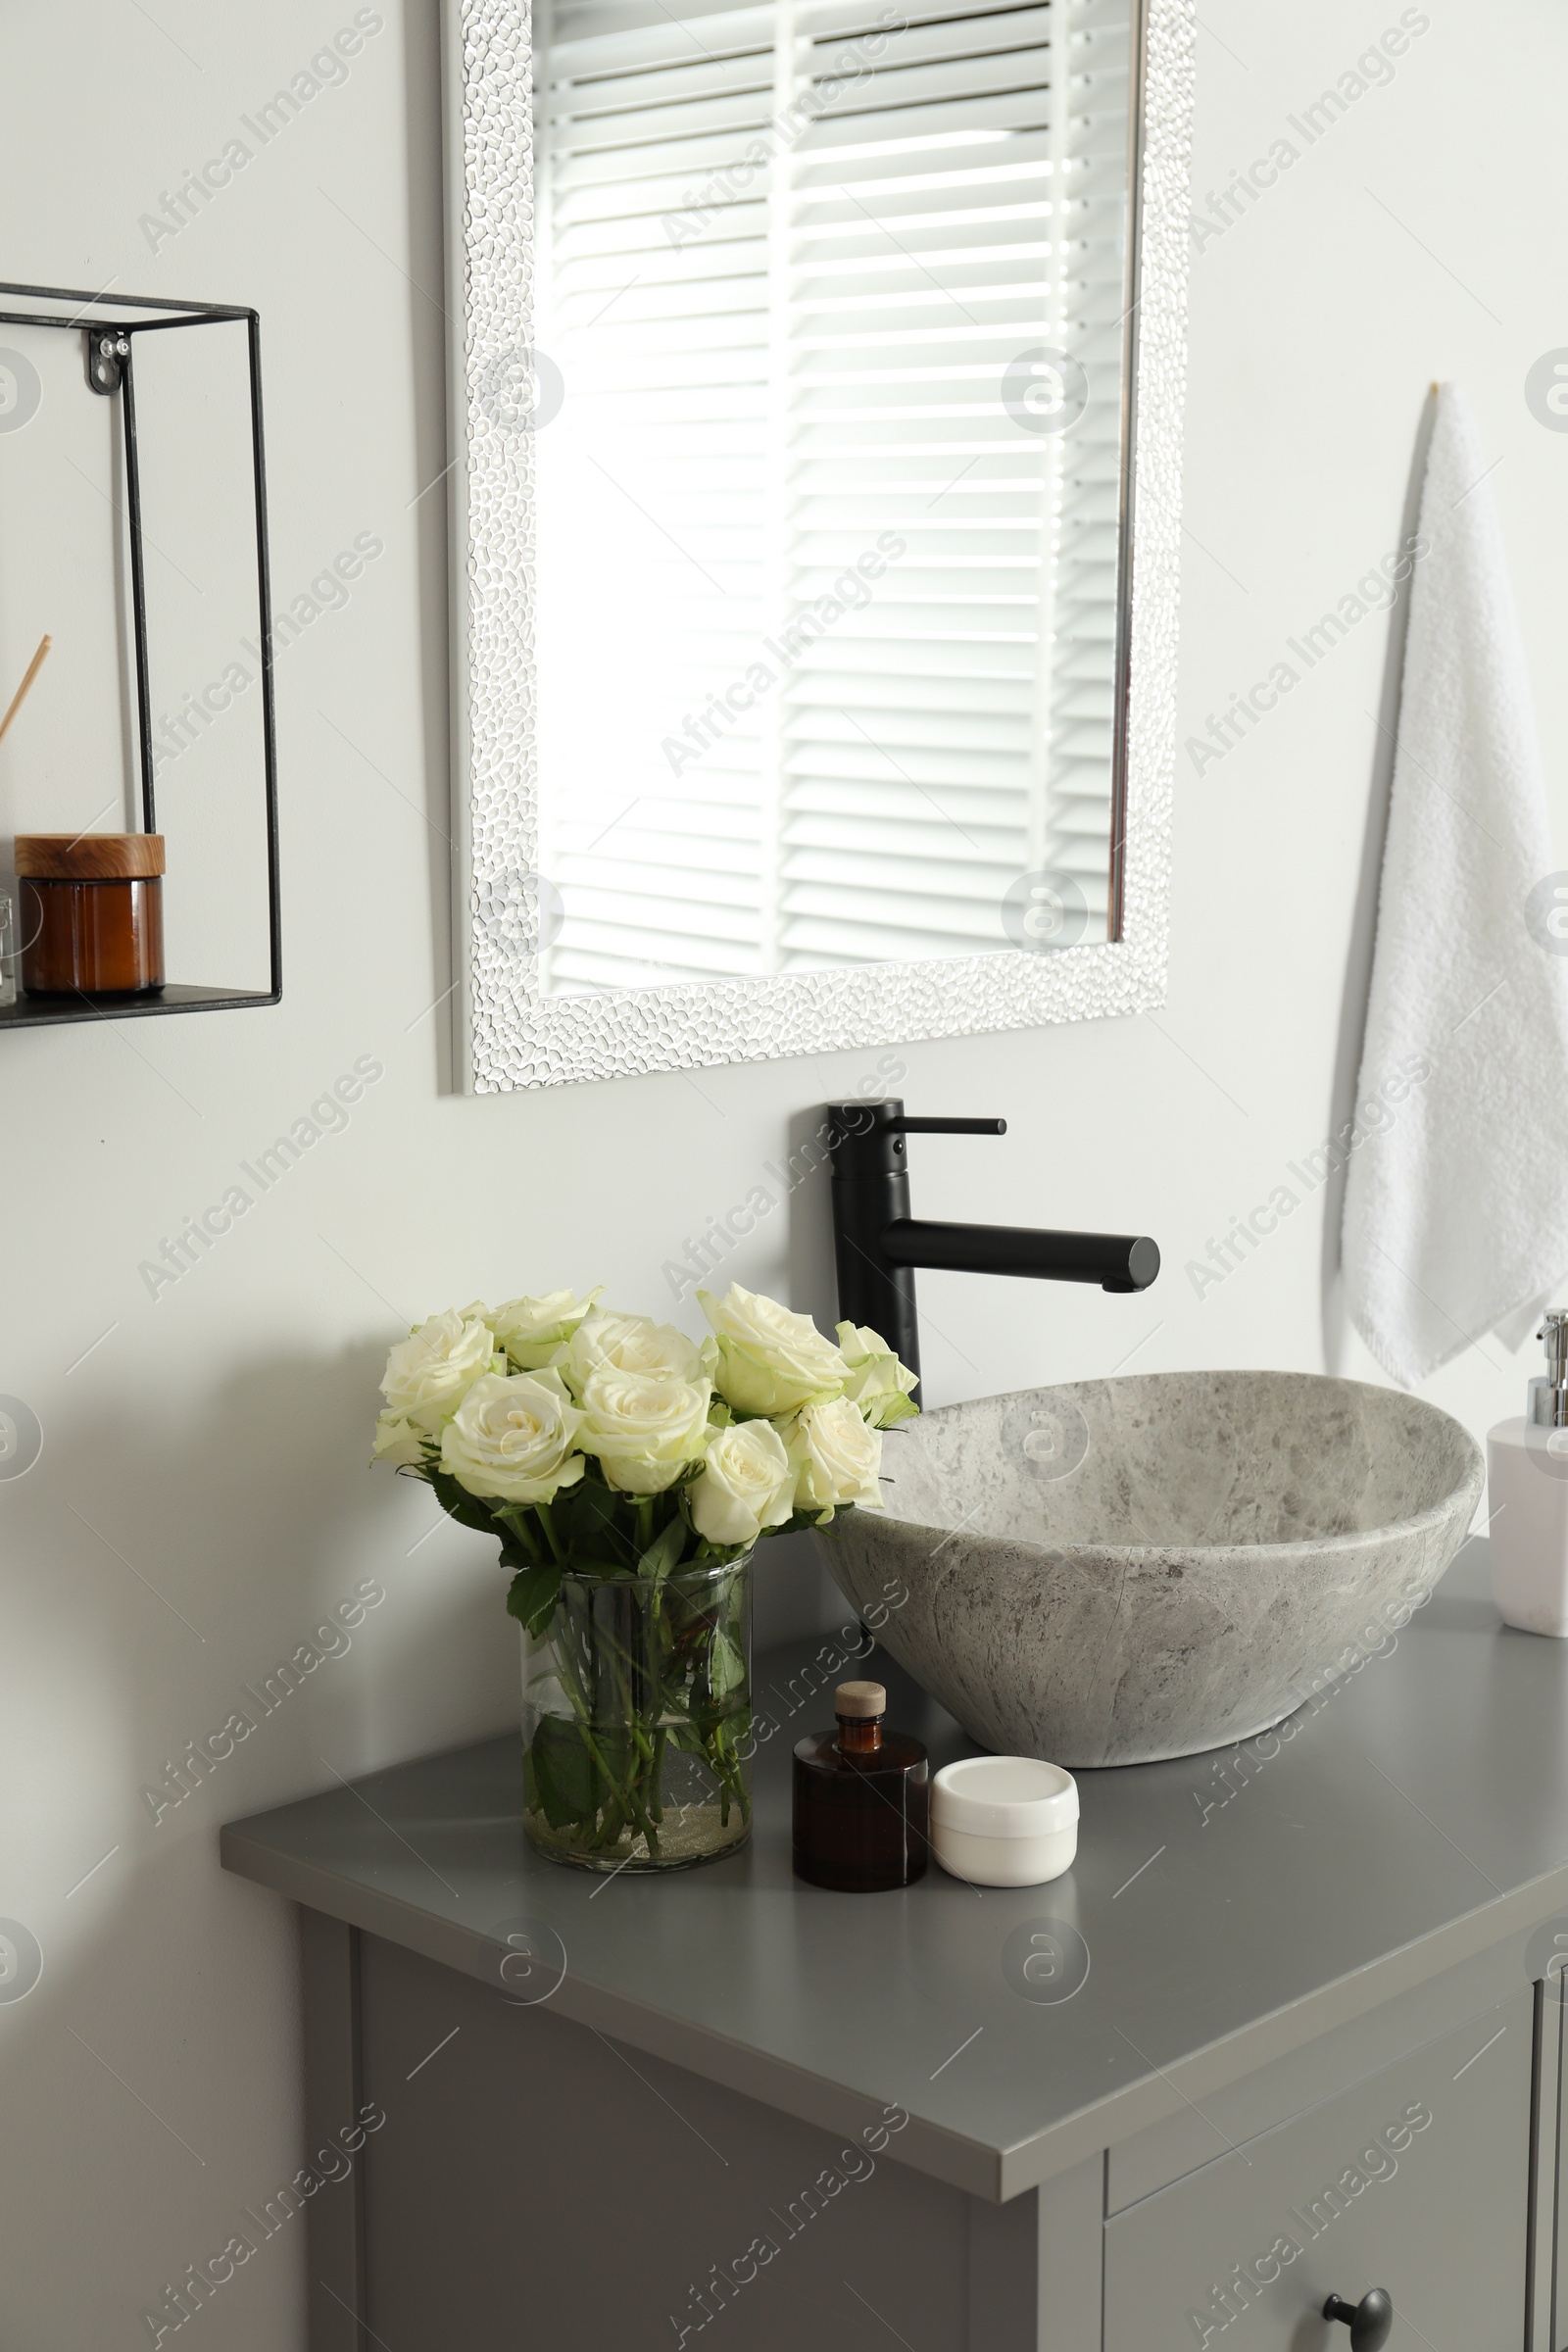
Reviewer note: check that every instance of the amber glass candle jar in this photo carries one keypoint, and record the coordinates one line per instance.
(91, 917)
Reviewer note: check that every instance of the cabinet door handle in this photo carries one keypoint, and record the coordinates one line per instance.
(1370, 2321)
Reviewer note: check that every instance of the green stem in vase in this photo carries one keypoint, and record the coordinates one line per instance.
(628, 1801)
(656, 1777)
(644, 1821)
(645, 1669)
(635, 1721)
(725, 1764)
(621, 1806)
(611, 1821)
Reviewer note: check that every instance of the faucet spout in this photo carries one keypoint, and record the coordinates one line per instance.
(878, 1244)
(1116, 1261)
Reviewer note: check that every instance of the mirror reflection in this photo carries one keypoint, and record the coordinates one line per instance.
(831, 422)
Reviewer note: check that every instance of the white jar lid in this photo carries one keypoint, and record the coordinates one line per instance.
(1003, 1797)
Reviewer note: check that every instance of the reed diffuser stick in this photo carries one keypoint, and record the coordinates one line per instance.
(25, 688)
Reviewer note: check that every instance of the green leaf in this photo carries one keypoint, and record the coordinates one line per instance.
(798, 1520)
(531, 1597)
(566, 1781)
(726, 1668)
(594, 1523)
(663, 1551)
(469, 1510)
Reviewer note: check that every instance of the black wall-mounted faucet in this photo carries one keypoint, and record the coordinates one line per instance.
(878, 1245)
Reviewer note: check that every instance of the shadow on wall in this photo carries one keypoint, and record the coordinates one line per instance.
(794, 1593)
(814, 1281)
(229, 1564)
(1364, 920)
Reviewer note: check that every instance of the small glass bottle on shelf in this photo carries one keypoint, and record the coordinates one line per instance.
(863, 1799)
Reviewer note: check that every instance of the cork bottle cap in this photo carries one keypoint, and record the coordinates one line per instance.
(860, 1702)
(89, 856)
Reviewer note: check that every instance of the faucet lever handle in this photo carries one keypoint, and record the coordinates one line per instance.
(903, 1126)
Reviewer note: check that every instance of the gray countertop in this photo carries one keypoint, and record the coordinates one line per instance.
(1230, 1907)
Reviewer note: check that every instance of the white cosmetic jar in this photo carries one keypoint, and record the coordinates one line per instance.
(1004, 1821)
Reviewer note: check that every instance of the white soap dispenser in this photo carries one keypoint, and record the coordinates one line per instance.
(1527, 1493)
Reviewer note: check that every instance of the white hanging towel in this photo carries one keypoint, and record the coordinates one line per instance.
(1456, 1197)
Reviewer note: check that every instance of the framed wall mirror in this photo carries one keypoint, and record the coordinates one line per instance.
(815, 399)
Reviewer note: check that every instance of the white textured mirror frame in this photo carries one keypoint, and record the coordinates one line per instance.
(511, 1034)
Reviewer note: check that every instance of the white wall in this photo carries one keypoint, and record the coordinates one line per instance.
(203, 1495)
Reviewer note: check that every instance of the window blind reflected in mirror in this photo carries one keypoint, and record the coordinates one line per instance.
(830, 485)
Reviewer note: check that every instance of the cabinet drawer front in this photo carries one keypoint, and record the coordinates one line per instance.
(1415, 2180)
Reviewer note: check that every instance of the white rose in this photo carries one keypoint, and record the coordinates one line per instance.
(430, 1373)
(534, 1331)
(396, 1442)
(748, 1484)
(836, 1456)
(769, 1361)
(645, 1432)
(879, 1384)
(510, 1439)
(634, 1345)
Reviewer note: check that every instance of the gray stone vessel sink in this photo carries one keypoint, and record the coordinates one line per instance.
(1115, 1571)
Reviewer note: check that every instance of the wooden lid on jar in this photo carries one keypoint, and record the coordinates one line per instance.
(89, 856)
(860, 1702)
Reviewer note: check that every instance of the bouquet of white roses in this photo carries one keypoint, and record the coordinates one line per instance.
(604, 1446)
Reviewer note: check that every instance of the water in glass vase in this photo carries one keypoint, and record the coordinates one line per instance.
(637, 1720)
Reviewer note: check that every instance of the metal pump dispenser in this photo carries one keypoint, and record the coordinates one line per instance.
(1548, 1397)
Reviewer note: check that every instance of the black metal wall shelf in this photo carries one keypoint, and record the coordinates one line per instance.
(109, 331)
(43, 1012)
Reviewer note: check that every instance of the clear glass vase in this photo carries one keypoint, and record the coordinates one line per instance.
(637, 1720)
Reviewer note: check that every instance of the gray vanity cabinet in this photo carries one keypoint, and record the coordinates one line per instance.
(1416, 2179)
(536, 2183)
(1307, 2043)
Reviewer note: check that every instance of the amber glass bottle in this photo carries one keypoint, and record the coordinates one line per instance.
(863, 1799)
